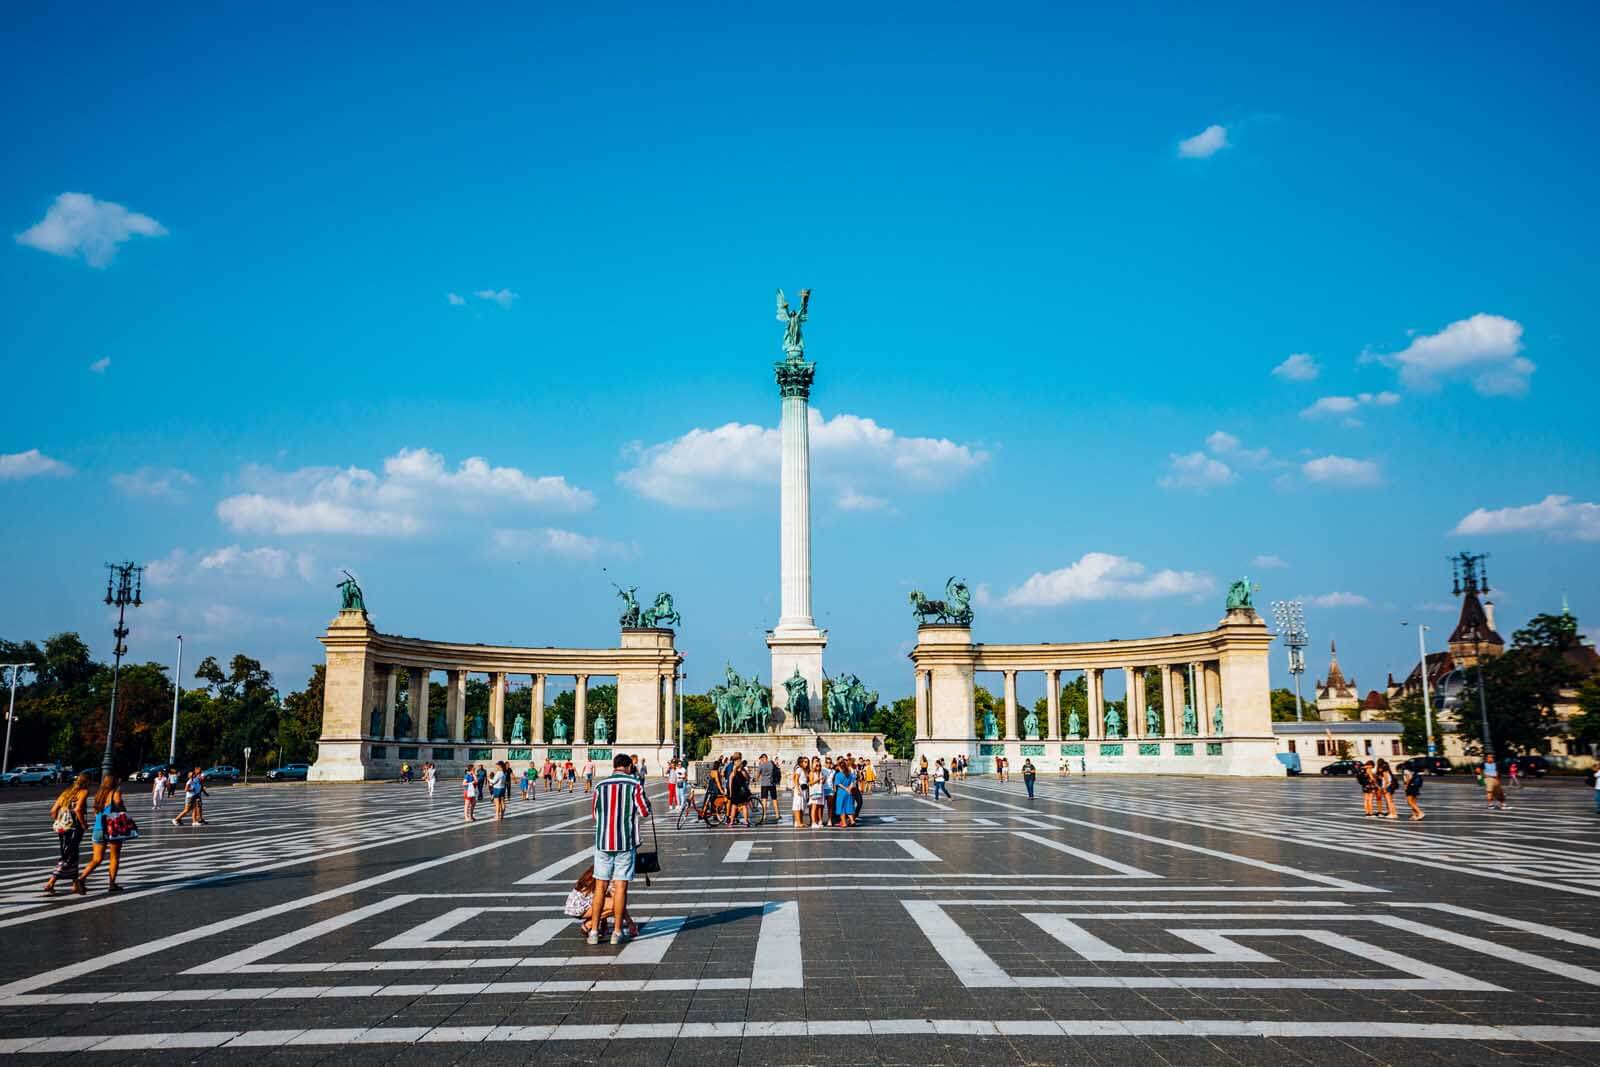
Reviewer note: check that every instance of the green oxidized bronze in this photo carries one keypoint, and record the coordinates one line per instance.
(956, 608)
(743, 706)
(1239, 595)
(847, 704)
(350, 594)
(661, 613)
(794, 373)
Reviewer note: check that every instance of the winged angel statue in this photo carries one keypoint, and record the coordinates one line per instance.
(794, 344)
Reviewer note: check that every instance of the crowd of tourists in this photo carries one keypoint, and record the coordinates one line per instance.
(109, 826)
(823, 790)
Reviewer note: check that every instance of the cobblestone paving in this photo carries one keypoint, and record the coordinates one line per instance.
(1107, 920)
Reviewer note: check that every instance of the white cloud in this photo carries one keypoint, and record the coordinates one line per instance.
(553, 542)
(1484, 348)
(1268, 561)
(719, 467)
(414, 482)
(1223, 443)
(233, 561)
(79, 225)
(153, 481)
(1299, 367)
(1102, 576)
(504, 297)
(455, 300)
(1196, 470)
(99, 366)
(1345, 405)
(1339, 600)
(1342, 470)
(1555, 515)
(850, 500)
(15, 466)
(1208, 142)
(264, 562)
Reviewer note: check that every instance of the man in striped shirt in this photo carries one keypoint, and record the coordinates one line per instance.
(619, 803)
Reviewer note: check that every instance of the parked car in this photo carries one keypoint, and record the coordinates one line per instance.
(1425, 765)
(290, 772)
(222, 772)
(1344, 766)
(30, 774)
(1529, 766)
(148, 774)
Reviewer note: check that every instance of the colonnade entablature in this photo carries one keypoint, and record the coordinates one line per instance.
(1207, 710)
(369, 729)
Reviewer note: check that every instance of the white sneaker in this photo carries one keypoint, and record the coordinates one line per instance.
(594, 937)
(616, 939)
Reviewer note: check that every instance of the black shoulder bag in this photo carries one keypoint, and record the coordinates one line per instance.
(648, 863)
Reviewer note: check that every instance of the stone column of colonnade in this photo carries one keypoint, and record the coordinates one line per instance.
(1097, 699)
(538, 709)
(1010, 728)
(921, 696)
(1052, 728)
(417, 694)
(391, 691)
(497, 707)
(580, 708)
(456, 706)
(1211, 685)
(665, 728)
(1132, 686)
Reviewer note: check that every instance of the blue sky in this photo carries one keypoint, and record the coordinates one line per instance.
(319, 262)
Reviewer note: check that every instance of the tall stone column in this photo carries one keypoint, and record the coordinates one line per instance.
(1011, 705)
(418, 688)
(795, 643)
(580, 709)
(456, 706)
(1130, 692)
(538, 709)
(497, 707)
(1169, 713)
(391, 696)
(1052, 728)
(668, 686)
(922, 703)
(1212, 686)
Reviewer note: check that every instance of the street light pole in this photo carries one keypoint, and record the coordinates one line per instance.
(124, 582)
(1291, 618)
(11, 712)
(177, 691)
(1422, 670)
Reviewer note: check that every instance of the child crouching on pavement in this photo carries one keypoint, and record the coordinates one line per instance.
(581, 900)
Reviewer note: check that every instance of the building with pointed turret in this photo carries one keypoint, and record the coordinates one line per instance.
(1337, 698)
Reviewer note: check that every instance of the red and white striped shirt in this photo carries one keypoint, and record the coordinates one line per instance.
(619, 802)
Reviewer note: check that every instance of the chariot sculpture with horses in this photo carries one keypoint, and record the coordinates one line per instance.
(955, 608)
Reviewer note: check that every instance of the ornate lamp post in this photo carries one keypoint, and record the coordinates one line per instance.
(1469, 577)
(124, 582)
(11, 712)
(1291, 618)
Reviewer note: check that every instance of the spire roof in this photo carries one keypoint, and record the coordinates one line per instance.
(1474, 620)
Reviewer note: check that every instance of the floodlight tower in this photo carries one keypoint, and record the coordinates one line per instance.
(1290, 616)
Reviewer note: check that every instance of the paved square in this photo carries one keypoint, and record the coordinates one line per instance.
(1106, 920)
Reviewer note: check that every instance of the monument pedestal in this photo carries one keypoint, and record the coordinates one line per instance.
(789, 745)
(797, 648)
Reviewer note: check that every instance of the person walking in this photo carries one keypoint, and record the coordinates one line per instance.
(1594, 780)
(111, 828)
(588, 776)
(618, 805)
(158, 789)
(844, 801)
(194, 794)
(570, 774)
(430, 777)
(1364, 780)
(481, 773)
(1494, 794)
(469, 794)
(941, 781)
(1413, 790)
(1029, 773)
(869, 777)
(525, 782)
(1513, 771)
(549, 774)
(672, 785)
(68, 817)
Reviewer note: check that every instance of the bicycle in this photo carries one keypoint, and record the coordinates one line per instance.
(885, 782)
(705, 811)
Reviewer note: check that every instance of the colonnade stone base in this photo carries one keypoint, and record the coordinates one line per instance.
(1240, 756)
(789, 745)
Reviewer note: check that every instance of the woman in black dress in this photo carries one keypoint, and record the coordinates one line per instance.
(739, 793)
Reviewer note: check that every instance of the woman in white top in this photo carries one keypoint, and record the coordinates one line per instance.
(158, 789)
(799, 782)
(429, 774)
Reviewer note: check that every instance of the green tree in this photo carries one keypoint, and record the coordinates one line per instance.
(1522, 686)
(244, 709)
(1410, 714)
(1283, 705)
(699, 723)
(300, 721)
(897, 723)
(1584, 727)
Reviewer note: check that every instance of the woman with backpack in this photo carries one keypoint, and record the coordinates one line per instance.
(112, 826)
(68, 818)
(469, 794)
